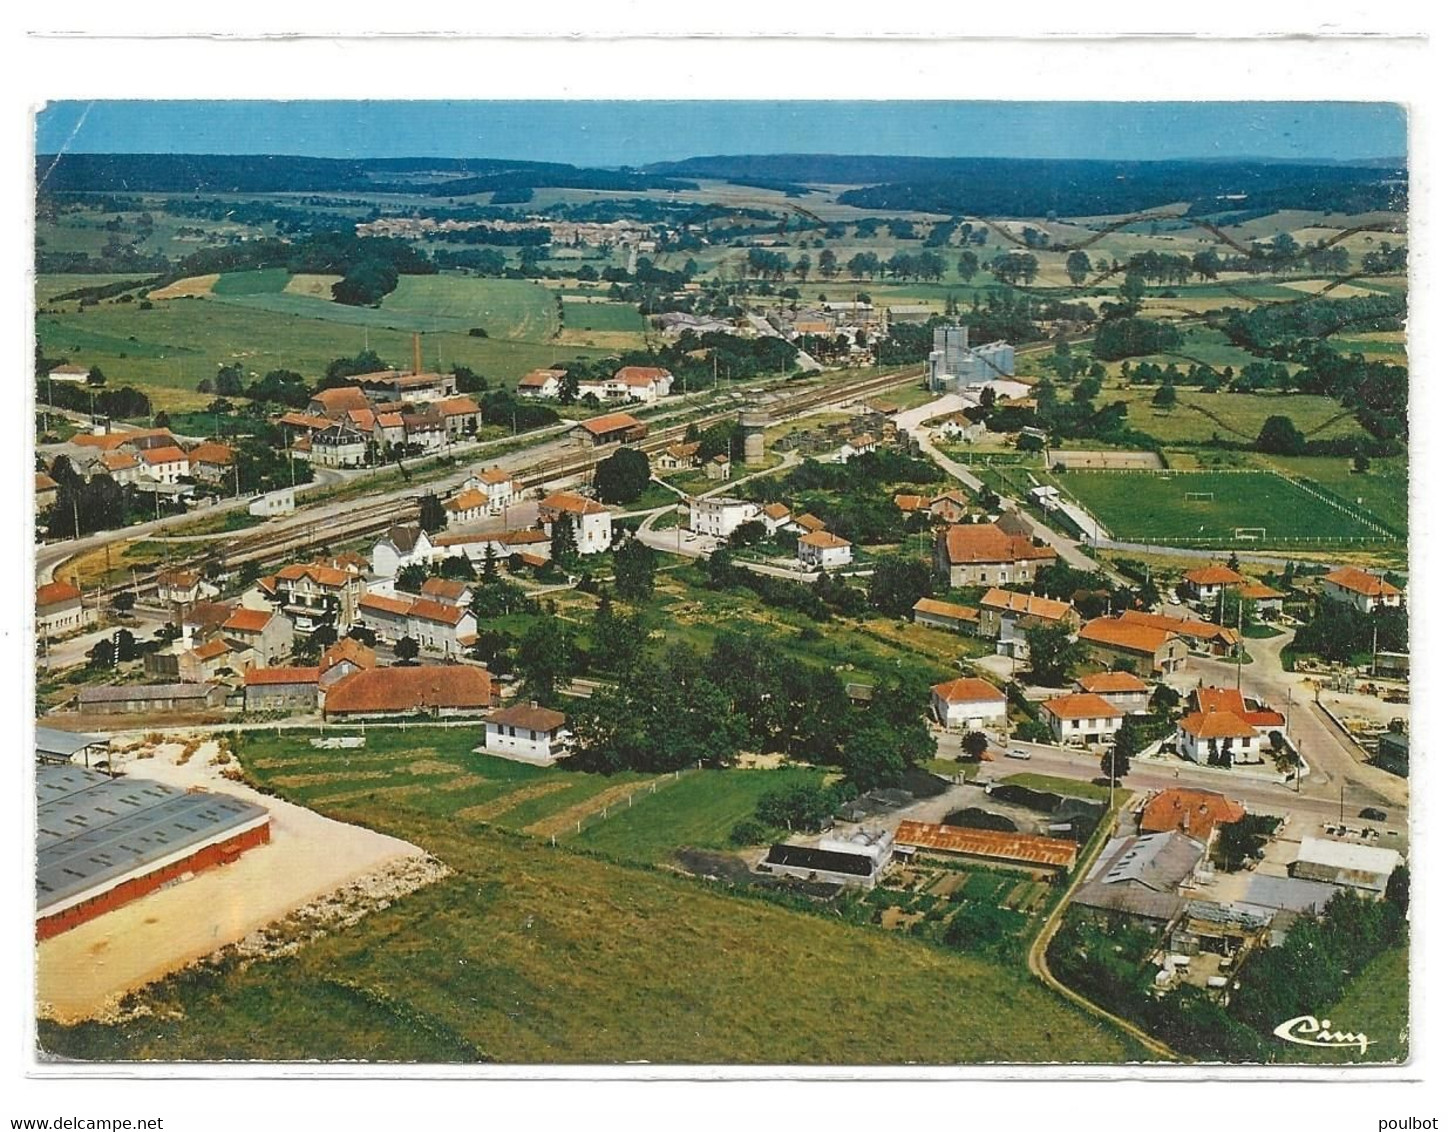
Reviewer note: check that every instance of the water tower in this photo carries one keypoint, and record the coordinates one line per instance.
(754, 422)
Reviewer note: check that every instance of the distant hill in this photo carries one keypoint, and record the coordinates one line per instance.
(264, 173)
(997, 186)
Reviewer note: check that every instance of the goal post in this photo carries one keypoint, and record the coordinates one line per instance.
(1201, 496)
(1254, 534)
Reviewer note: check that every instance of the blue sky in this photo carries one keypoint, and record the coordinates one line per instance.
(635, 133)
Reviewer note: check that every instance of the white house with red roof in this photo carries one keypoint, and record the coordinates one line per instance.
(1214, 737)
(1082, 717)
(645, 384)
(164, 465)
(592, 522)
(1125, 690)
(968, 702)
(1365, 592)
(500, 488)
(1206, 583)
(527, 733)
(821, 550)
(541, 383)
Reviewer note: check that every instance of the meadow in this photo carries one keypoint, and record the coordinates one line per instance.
(1199, 417)
(533, 953)
(1168, 507)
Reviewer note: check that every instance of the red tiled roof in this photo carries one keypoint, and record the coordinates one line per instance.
(946, 609)
(1257, 591)
(119, 461)
(1104, 682)
(348, 649)
(211, 650)
(985, 542)
(610, 422)
(167, 455)
(1029, 604)
(457, 407)
(209, 452)
(412, 688)
(53, 593)
(427, 610)
(105, 440)
(1360, 581)
(1082, 705)
(776, 511)
(1216, 725)
(540, 377)
(1193, 812)
(1118, 633)
(264, 676)
(495, 475)
(1018, 847)
(1185, 627)
(969, 689)
(341, 398)
(1214, 575)
(911, 502)
(248, 620)
(469, 500)
(322, 575)
(822, 539)
(531, 716)
(44, 483)
(398, 607)
(447, 589)
(572, 503)
(640, 375)
(809, 522)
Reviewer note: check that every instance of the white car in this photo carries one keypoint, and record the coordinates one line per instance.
(1018, 753)
(1173, 599)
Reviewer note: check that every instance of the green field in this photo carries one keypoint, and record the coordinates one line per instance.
(532, 953)
(167, 350)
(1382, 489)
(1165, 507)
(697, 811)
(602, 316)
(263, 281)
(1375, 1004)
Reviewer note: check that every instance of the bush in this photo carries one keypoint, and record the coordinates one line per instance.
(747, 832)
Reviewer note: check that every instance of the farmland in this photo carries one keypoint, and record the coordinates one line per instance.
(532, 953)
(1199, 417)
(1206, 508)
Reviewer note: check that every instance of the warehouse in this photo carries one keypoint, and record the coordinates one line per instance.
(102, 842)
(52, 746)
(1345, 864)
(1019, 849)
(151, 697)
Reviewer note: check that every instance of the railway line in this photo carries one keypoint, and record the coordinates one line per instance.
(302, 531)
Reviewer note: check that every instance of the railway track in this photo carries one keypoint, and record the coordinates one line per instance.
(371, 518)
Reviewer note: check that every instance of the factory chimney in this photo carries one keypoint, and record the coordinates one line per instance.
(417, 353)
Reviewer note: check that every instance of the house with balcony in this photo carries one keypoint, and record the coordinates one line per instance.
(527, 733)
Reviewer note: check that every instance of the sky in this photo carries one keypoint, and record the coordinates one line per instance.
(637, 133)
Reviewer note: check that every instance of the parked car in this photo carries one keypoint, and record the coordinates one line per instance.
(1372, 813)
(1018, 753)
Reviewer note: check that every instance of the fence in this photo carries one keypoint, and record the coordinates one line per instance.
(626, 801)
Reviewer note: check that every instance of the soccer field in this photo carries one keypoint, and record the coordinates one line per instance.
(1216, 508)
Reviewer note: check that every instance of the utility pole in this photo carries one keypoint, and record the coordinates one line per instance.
(1239, 640)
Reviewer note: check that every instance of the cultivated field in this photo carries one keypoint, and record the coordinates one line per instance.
(1209, 508)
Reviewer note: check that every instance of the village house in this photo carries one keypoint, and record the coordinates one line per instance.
(720, 515)
(968, 702)
(448, 591)
(404, 544)
(392, 385)
(1365, 592)
(1262, 718)
(527, 733)
(1196, 813)
(1207, 635)
(773, 516)
(1082, 717)
(46, 492)
(443, 690)
(1006, 615)
(499, 487)
(1123, 690)
(592, 522)
(910, 504)
(269, 635)
(611, 428)
(424, 431)
(363, 420)
(334, 404)
(385, 616)
(805, 524)
(645, 384)
(69, 374)
(718, 469)
(461, 416)
(442, 628)
(339, 446)
(959, 428)
(1266, 601)
(950, 506)
(315, 594)
(981, 554)
(1148, 649)
(206, 662)
(281, 689)
(1206, 583)
(343, 658)
(212, 462)
(467, 506)
(679, 456)
(389, 430)
(59, 609)
(855, 446)
(541, 383)
(182, 587)
(166, 464)
(531, 543)
(1209, 737)
(945, 615)
(820, 550)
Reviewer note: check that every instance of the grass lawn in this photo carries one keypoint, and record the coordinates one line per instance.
(530, 953)
(266, 281)
(1168, 507)
(1381, 490)
(602, 316)
(1055, 785)
(697, 811)
(1375, 1004)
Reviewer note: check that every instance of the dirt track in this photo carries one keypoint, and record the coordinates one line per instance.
(84, 972)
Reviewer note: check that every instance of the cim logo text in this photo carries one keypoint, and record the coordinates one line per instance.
(1305, 1030)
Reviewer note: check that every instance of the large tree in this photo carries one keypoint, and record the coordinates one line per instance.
(633, 569)
(1052, 653)
(898, 583)
(545, 659)
(623, 477)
